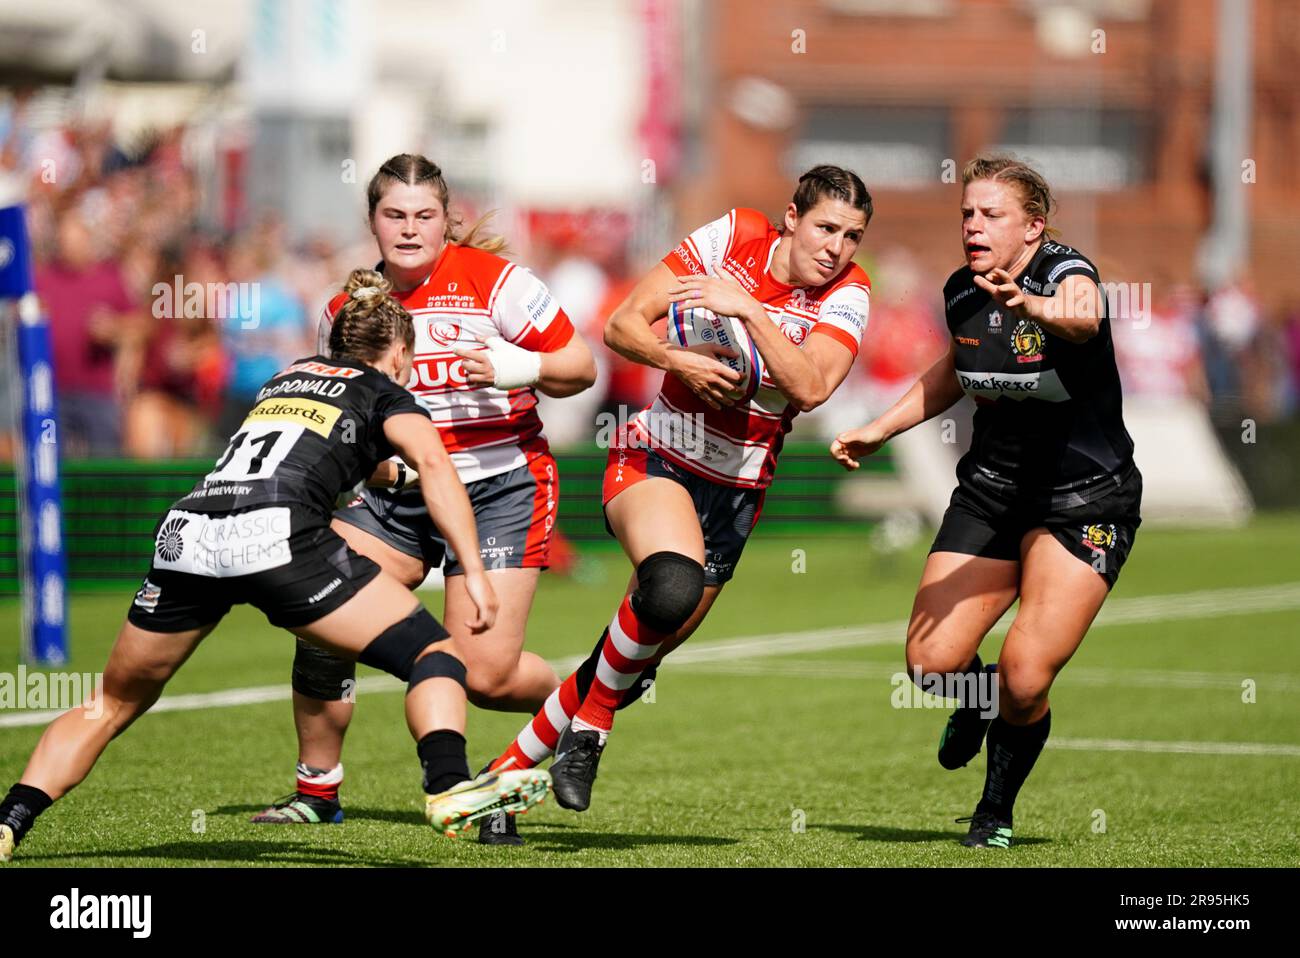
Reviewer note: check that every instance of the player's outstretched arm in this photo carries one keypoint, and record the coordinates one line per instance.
(934, 392)
(416, 438)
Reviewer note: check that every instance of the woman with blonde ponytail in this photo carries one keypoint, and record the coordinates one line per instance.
(488, 337)
(256, 529)
(1048, 498)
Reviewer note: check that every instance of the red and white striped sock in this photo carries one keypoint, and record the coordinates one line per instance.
(320, 783)
(628, 649)
(535, 743)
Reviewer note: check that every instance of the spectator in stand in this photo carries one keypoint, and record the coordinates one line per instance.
(1291, 344)
(1228, 321)
(1159, 354)
(97, 330)
(182, 359)
(268, 328)
(1265, 389)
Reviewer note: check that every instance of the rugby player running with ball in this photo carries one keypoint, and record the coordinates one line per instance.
(683, 515)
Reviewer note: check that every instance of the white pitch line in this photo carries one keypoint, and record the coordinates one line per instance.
(1078, 675)
(1207, 603)
(1181, 748)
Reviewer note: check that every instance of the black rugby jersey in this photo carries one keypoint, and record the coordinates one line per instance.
(316, 430)
(1048, 412)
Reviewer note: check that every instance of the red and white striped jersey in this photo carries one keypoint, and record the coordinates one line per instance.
(738, 445)
(472, 293)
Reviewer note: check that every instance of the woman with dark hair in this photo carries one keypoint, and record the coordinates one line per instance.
(683, 515)
(488, 337)
(256, 529)
(1047, 499)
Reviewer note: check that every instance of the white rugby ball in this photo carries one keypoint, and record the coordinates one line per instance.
(697, 326)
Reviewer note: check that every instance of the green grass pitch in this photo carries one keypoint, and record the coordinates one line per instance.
(784, 759)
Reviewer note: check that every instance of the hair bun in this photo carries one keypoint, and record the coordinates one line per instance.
(364, 293)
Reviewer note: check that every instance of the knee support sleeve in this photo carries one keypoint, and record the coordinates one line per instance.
(669, 588)
(436, 665)
(321, 675)
(395, 649)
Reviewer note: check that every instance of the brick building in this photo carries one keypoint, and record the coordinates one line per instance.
(1112, 97)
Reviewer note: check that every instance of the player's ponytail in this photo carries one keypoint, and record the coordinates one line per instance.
(412, 169)
(1035, 195)
(369, 321)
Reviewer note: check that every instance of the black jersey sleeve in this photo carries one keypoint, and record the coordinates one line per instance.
(392, 400)
(1057, 262)
(960, 286)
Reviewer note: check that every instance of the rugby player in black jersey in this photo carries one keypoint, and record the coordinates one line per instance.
(256, 529)
(1047, 499)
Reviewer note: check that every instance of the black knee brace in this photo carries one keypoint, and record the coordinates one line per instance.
(321, 675)
(436, 665)
(395, 649)
(669, 589)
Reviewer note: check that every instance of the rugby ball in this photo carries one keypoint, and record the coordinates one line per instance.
(697, 326)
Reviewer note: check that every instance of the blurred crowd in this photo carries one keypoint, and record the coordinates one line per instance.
(145, 369)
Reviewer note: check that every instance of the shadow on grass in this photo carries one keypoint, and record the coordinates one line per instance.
(201, 852)
(350, 813)
(559, 837)
(881, 833)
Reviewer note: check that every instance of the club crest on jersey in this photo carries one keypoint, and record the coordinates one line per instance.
(444, 332)
(1099, 538)
(794, 332)
(995, 321)
(1027, 342)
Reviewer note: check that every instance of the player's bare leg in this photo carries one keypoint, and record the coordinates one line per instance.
(656, 523)
(502, 676)
(959, 599)
(139, 666)
(1059, 598)
(322, 709)
(435, 700)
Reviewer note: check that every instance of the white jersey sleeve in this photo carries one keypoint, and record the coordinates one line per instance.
(843, 315)
(704, 249)
(527, 313)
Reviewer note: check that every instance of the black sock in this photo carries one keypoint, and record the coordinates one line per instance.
(587, 671)
(20, 808)
(442, 756)
(1013, 750)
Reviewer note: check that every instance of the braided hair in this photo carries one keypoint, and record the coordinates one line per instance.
(369, 321)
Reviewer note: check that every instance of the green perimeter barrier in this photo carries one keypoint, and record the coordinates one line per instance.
(110, 508)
